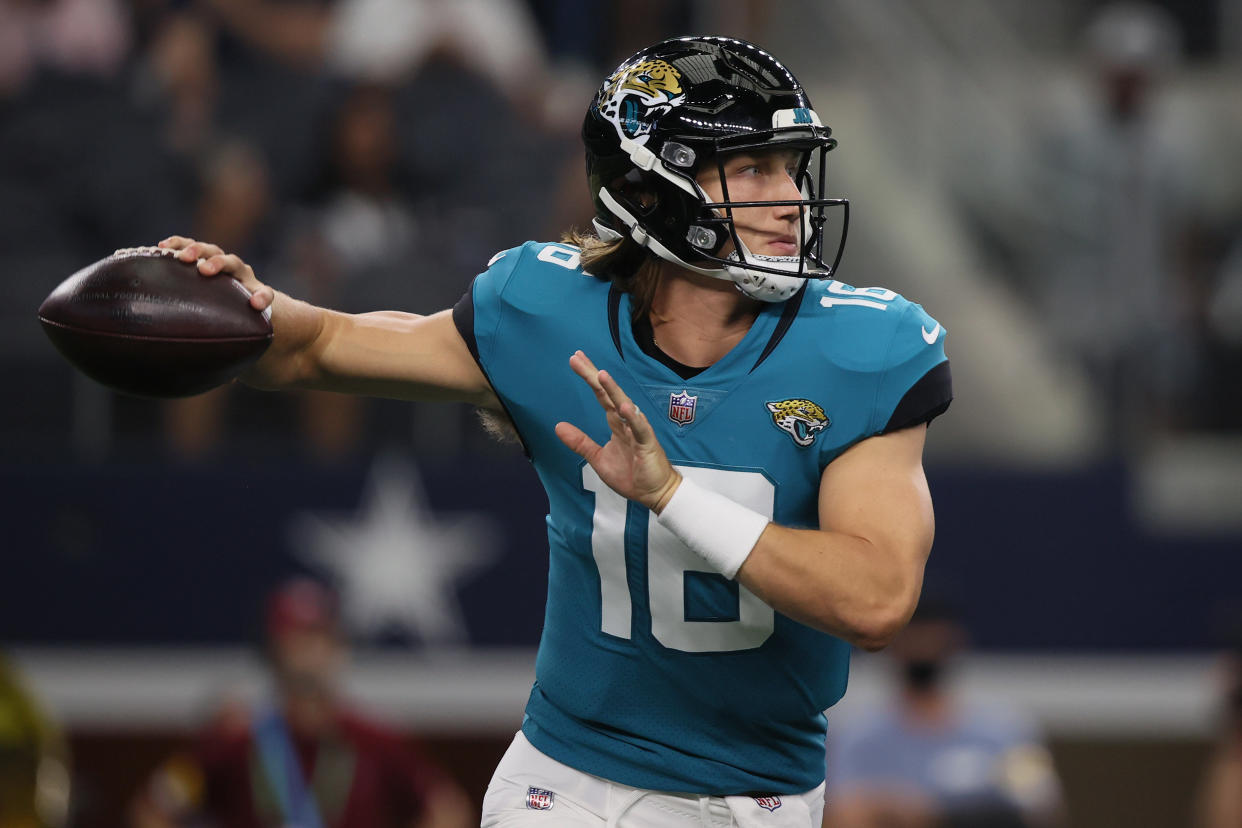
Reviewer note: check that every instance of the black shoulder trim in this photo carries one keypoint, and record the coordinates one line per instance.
(926, 400)
(614, 317)
(790, 312)
(463, 318)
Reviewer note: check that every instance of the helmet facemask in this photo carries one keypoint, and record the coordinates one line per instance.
(679, 206)
(766, 277)
(675, 109)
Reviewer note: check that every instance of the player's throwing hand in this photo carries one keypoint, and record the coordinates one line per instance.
(632, 462)
(212, 261)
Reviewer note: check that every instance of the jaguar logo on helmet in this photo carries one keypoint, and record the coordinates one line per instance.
(636, 96)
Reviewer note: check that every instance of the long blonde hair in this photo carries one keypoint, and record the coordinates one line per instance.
(621, 261)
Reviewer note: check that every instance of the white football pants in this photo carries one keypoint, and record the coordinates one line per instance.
(533, 790)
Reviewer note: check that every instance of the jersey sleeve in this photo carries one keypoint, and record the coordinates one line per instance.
(916, 385)
(479, 313)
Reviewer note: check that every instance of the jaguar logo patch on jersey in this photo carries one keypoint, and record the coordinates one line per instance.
(539, 799)
(681, 407)
(635, 96)
(769, 802)
(800, 419)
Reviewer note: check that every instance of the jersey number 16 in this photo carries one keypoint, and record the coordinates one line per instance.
(668, 561)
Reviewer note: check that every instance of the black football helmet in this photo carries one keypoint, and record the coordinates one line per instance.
(682, 104)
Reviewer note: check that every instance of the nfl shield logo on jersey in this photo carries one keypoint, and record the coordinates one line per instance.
(537, 799)
(681, 407)
(769, 802)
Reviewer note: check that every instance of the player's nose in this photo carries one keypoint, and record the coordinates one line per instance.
(786, 190)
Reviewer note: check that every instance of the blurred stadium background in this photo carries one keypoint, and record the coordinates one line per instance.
(1058, 182)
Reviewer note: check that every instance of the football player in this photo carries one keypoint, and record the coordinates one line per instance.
(732, 451)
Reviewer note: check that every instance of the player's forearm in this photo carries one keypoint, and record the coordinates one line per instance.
(845, 585)
(393, 354)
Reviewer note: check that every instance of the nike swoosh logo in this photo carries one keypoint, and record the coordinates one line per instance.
(930, 336)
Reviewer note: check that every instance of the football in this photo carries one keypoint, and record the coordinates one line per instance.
(143, 322)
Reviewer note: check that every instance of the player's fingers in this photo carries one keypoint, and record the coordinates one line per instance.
(584, 363)
(639, 426)
(262, 298)
(619, 425)
(175, 242)
(576, 440)
(613, 391)
(583, 367)
(198, 250)
(221, 262)
(231, 265)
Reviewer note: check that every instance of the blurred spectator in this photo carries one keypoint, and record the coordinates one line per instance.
(1097, 212)
(307, 759)
(1218, 403)
(179, 76)
(34, 760)
(1220, 795)
(933, 757)
(387, 41)
(77, 160)
(352, 247)
(72, 36)
(1113, 185)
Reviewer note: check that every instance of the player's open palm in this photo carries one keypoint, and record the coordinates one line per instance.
(632, 462)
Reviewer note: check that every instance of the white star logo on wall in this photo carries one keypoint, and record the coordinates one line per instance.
(395, 563)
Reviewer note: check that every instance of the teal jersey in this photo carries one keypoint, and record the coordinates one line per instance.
(653, 671)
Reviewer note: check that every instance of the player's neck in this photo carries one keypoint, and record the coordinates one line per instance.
(696, 319)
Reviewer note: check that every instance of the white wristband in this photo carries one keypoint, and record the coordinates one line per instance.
(720, 530)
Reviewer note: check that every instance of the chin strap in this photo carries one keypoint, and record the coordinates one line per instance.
(761, 285)
(605, 232)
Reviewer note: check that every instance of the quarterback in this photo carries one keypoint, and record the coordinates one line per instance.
(730, 440)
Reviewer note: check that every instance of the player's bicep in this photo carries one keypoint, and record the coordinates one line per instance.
(877, 491)
(400, 355)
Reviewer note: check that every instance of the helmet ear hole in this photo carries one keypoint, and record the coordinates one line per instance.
(633, 189)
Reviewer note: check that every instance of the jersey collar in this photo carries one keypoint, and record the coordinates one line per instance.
(769, 328)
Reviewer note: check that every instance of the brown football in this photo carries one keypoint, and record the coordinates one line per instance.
(143, 322)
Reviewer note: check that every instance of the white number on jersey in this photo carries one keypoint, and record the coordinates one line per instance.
(868, 297)
(566, 257)
(668, 561)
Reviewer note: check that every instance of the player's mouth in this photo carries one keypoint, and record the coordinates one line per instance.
(786, 245)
